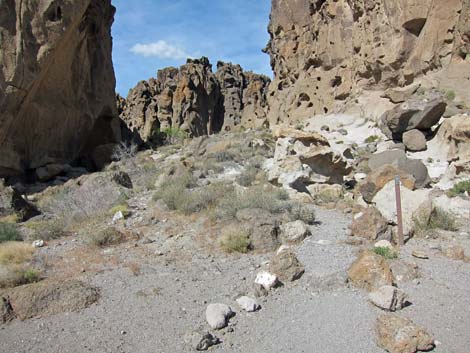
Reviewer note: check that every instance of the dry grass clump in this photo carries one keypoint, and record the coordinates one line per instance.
(234, 239)
(105, 237)
(17, 275)
(46, 229)
(123, 208)
(439, 219)
(303, 212)
(14, 252)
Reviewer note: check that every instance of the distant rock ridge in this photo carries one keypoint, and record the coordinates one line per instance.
(57, 85)
(195, 99)
(324, 52)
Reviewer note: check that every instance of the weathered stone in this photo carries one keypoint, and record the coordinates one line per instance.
(294, 232)
(217, 315)
(286, 266)
(403, 271)
(12, 203)
(382, 175)
(369, 225)
(417, 113)
(325, 193)
(397, 334)
(388, 298)
(454, 135)
(248, 304)
(200, 340)
(57, 85)
(388, 157)
(123, 179)
(399, 94)
(50, 171)
(412, 201)
(370, 271)
(414, 140)
(6, 310)
(455, 252)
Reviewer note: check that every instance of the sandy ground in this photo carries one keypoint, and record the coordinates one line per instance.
(153, 310)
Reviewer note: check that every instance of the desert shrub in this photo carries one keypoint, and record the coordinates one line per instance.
(9, 232)
(123, 208)
(223, 156)
(385, 252)
(460, 188)
(439, 219)
(267, 198)
(170, 135)
(46, 229)
(234, 239)
(105, 237)
(450, 95)
(10, 219)
(124, 151)
(31, 275)
(302, 212)
(14, 252)
(372, 139)
(248, 176)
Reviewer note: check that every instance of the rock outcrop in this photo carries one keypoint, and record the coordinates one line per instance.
(57, 85)
(196, 100)
(323, 52)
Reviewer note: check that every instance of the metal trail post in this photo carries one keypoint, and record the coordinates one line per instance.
(401, 240)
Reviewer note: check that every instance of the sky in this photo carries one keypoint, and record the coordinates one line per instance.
(152, 34)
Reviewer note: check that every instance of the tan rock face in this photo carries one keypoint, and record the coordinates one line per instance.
(324, 51)
(369, 225)
(455, 132)
(57, 98)
(195, 99)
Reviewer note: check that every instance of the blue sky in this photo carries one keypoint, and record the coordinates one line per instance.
(152, 34)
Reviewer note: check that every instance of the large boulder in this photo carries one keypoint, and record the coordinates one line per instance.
(414, 140)
(397, 334)
(12, 203)
(370, 272)
(382, 175)
(57, 85)
(303, 158)
(370, 225)
(412, 202)
(420, 113)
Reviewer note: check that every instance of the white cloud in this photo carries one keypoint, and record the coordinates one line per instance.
(160, 49)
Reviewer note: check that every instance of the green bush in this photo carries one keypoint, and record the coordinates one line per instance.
(386, 253)
(9, 232)
(31, 275)
(372, 139)
(235, 240)
(124, 208)
(460, 188)
(450, 95)
(302, 212)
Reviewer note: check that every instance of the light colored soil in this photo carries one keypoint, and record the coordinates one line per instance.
(179, 274)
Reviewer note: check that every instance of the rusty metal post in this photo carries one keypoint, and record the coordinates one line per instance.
(401, 240)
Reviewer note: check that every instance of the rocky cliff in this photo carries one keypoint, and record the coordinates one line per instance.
(324, 51)
(195, 99)
(57, 83)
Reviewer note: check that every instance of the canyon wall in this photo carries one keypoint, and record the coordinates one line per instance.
(57, 86)
(323, 52)
(195, 99)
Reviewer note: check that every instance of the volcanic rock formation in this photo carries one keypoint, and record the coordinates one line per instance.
(323, 51)
(57, 99)
(194, 99)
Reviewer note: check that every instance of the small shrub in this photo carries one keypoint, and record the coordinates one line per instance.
(124, 152)
(439, 219)
(170, 135)
(31, 275)
(223, 156)
(248, 176)
(372, 139)
(9, 232)
(46, 229)
(385, 252)
(235, 240)
(270, 199)
(105, 237)
(450, 95)
(10, 219)
(460, 188)
(304, 213)
(15, 253)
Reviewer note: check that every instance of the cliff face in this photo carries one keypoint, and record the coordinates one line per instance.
(57, 83)
(324, 51)
(195, 99)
